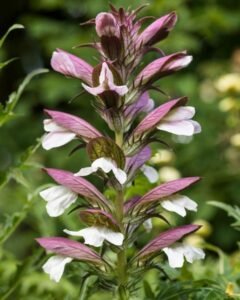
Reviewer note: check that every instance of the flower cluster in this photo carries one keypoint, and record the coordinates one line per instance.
(121, 98)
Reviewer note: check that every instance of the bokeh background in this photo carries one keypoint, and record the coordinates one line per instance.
(207, 29)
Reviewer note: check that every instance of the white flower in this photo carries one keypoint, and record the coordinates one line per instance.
(177, 253)
(57, 135)
(55, 266)
(151, 174)
(58, 198)
(106, 83)
(95, 236)
(106, 165)
(179, 121)
(179, 204)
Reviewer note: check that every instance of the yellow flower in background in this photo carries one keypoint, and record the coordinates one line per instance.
(206, 228)
(235, 140)
(162, 157)
(168, 174)
(228, 83)
(227, 104)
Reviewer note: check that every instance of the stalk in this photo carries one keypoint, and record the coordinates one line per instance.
(121, 256)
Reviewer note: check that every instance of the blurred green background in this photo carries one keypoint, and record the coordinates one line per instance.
(207, 29)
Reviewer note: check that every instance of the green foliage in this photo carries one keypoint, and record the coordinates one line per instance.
(7, 111)
(233, 211)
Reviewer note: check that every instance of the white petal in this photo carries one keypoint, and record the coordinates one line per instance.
(151, 174)
(106, 164)
(179, 204)
(93, 90)
(120, 175)
(55, 266)
(148, 225)
(175, 256)
(105, 74)
(119, 89)
(184, 127)
(85, 171)
(92, 235)
(57, 139)
(59, 198)
(170, 206)
(192, 253)
(50, 125)
(197, 126)
(115, 238)
(95, 236)
(186, 202)
(180, 113)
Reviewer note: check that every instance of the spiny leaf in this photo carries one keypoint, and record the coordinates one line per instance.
(7, 112)
(233, 211)
(5, 63)
(13, 27)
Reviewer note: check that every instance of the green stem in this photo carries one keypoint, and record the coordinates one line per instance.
(121, 256)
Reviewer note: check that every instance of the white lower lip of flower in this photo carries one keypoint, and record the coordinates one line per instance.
(55, 266)
(57, 135)
(106, 165)
(181, 113)
(185, 127)
(151, 174)
(176, 255)
(59, 198)
(57, 139)
(95, 236)
(179, 204)
(179, 121)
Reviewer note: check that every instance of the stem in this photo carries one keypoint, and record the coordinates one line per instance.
(119, 138)
(121, 256)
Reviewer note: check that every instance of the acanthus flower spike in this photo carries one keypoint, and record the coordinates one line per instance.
(112, 218)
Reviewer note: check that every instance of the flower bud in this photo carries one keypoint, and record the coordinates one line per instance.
(106, 25)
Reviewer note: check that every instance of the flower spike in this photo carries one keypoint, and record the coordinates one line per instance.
(112, 217)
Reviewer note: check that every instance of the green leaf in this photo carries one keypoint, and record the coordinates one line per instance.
(14, 172)
(13, 27)
(233, 211)
(105, 147)
(12, 222)
(7, 112)
(4, 64)
(148, 291)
